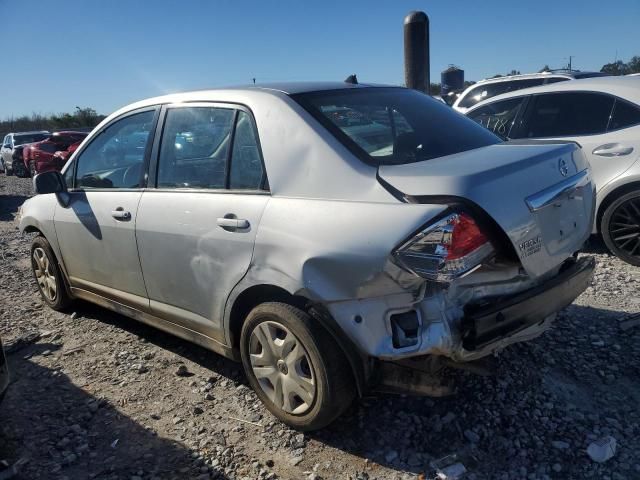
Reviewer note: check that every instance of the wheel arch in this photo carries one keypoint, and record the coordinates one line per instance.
(611, 197)
(33, 229)
(254, 295)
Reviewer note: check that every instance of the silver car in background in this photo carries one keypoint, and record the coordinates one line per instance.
(333, 237)
(603, 116)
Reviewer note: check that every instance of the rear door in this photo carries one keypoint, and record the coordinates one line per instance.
(96, 229)
(590, 119)
(196, 229)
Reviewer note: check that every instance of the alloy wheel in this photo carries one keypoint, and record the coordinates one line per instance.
(624, 227)
(44, 274)
(282, 367)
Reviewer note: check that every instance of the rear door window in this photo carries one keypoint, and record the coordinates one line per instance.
(210, 148)
(489, 90)
(499, 117)
(195, 147)
(246, 163)
(624, 115)
(567, 114)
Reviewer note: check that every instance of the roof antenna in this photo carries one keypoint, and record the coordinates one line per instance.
(352, 79)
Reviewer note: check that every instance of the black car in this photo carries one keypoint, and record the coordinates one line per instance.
(4, 372)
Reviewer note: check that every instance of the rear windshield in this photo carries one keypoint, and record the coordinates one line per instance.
(394, 126)
(30, 138)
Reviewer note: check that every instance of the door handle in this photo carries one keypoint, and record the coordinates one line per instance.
(612, 150)
(121, 214)
(232, 222)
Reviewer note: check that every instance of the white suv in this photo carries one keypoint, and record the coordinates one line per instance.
(491, 87)
(9, 151)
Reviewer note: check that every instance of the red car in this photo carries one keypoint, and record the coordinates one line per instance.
(42, 156)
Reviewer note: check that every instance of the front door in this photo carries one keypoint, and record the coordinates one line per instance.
(96, 229)
(196, 230)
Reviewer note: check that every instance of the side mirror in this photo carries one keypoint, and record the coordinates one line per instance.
(49, 182)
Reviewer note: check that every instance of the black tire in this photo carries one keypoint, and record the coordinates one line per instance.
(21, 171)
(61, 299)
(620, 228)
(334, 382)
(8, 171)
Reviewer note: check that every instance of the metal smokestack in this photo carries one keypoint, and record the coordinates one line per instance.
(416, 51)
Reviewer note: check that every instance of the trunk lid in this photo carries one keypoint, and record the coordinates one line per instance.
(540, 194)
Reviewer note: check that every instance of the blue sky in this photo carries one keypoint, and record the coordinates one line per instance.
(105, 54)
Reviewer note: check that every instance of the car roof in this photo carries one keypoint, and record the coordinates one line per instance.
(242, 91)
(523, 76)
(68, 132)
(288, 88)
(31, 132)
(623, 86)
(292, 88)
(551, 73)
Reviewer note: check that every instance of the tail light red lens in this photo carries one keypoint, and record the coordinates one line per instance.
(447, 249)
(465, 237)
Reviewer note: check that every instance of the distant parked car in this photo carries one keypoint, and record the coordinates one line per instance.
(4, 372)
(485, 89)
(603, 116)
(40, 156)
(323, 234)
(61, 156)
(12, 146)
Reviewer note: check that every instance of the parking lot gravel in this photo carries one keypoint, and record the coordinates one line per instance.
(97, 395)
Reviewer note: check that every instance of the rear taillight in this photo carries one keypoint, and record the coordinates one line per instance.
(447, 249)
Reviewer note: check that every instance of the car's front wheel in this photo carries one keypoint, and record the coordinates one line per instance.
(48, 275)
(620, 228)
(20, 169)
(295, 367)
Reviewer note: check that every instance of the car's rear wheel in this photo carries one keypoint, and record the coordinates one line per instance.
(294, 366)
(48, 275)
(620, 227)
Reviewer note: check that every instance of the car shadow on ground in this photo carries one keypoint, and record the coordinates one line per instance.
(595, 245)
(64, 429)
(9, 205)
(384, 429)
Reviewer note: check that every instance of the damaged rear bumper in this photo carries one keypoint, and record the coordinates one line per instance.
(483, 325)
(487, 328)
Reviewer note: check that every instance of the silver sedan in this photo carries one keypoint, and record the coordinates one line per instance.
(335, 238)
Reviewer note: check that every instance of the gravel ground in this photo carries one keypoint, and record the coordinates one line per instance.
(97, 395)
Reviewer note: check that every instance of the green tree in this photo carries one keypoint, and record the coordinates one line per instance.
(616, 68)
(633, 65)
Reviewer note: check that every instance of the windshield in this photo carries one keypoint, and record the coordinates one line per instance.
(29, 138)
(393, 126)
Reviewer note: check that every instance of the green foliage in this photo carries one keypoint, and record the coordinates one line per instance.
(621, 68)
(81, 118)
